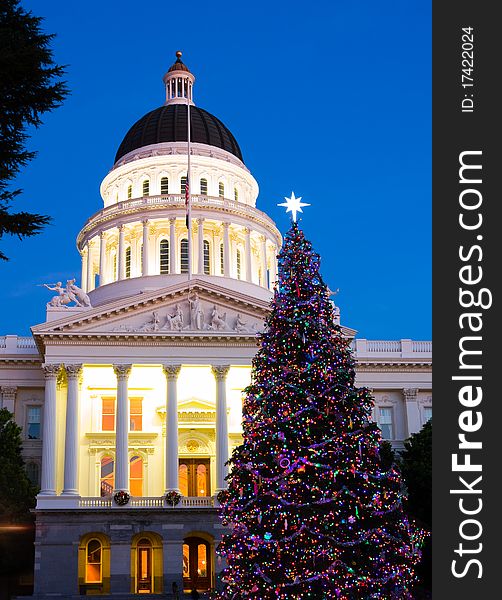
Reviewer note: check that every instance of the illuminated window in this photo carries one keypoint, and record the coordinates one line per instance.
(201, 560)
(221, 189)
(236, 194)
(202, 481)
(183, 479)
(107, 479)
(146, 187)
(385, 423)
(114, 267)
(33, 473)
(186, 560)
(33, 422)
(128, 261)
(427, 413)
(107, 414)
(222, 259)
(164, 186)
(238, 264)
(164, 257)
(93, 561)
(183, 185)
(203, 187)
(136, 414)
(184, 255)
(129, 191)
(206, 258)
(136, 476)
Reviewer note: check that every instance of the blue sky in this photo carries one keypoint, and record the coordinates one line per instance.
(329, 99)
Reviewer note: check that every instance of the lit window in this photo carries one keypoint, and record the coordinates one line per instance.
(146, 187)
(136, 476)
(33, 473)
(236, 194)
(164, 186)
(201, 560)
(221, 189)
(164, 257)
(427, 413)
(183, 479)
(107, 414)
(128, 262)
(107, 479)
(129, 191)
(385, 423)
(136, 414)
(33, 422)
(203, 187)
(183, 185)
(114, 267)
(184, 255)
(206, 257)
(222, 259)
(93, 562)
(238, 264)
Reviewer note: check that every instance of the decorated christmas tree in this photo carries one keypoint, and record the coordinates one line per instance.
(314, 512)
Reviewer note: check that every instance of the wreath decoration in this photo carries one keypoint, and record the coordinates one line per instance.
(172, 497)
(222, 496)
(121, 498)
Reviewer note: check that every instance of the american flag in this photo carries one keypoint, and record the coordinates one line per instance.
(187, 200)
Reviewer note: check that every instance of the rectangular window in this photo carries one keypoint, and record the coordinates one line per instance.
(136, 414)
(146, 187)
(164, 186)
(128, 262)
(203, 187)
(183, 185)
(222, 259)
(107, 414)
(427, 413)
(33, 422)
(385, 423)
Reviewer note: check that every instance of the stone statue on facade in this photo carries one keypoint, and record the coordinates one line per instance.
(62, 298)
(241, 325)
(66, 295)
(77, 294)
(152, 325)
(174, 322)
(218, 322)
(196, 311)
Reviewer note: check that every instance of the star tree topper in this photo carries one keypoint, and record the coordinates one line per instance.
(293, 205)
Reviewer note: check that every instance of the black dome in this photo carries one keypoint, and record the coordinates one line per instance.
(169, 124)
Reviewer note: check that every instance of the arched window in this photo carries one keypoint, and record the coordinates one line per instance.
(184, 255)
(107, 475)
(222, 259)
(203, 187)
(206, 258)
(164, 186)
(221, 189)
(238, 264)
(146, 187)
(33, 472)
(114, 267)
(128, 261)
(164, 257)
(183, 185)
(129, 191)
(93, 561)
(136, 476)
(236, 194)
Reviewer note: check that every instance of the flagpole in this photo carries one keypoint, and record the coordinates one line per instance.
(189, 184)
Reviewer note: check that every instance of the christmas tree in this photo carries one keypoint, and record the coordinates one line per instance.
(314, 512)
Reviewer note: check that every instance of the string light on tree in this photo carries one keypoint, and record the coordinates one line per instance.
(293, 205)
(314, 512)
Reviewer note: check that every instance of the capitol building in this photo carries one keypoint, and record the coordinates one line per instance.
(134, 382)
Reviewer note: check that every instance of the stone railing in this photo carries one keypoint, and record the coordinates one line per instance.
(151, 203)
(391, 348)
(144, 502)
(14, 344)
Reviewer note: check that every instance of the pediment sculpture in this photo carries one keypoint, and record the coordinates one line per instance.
(67, 295)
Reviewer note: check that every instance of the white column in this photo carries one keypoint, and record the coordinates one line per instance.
(122, 429)
(145, 264)
(172, 245)
(263, 259)
(102, 258)
(249, 272)
(200, 239)
(412, 410)
(273, 267)
(48, 482)
(220, 373)
(71, 445)
(171, 372)
(226, 250)
(121, 250)
(83, 278)
(90, 267)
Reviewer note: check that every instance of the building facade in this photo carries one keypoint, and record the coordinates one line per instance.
(134, 383)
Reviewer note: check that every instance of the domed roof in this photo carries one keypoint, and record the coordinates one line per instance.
(178, 65)
(169, 124)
